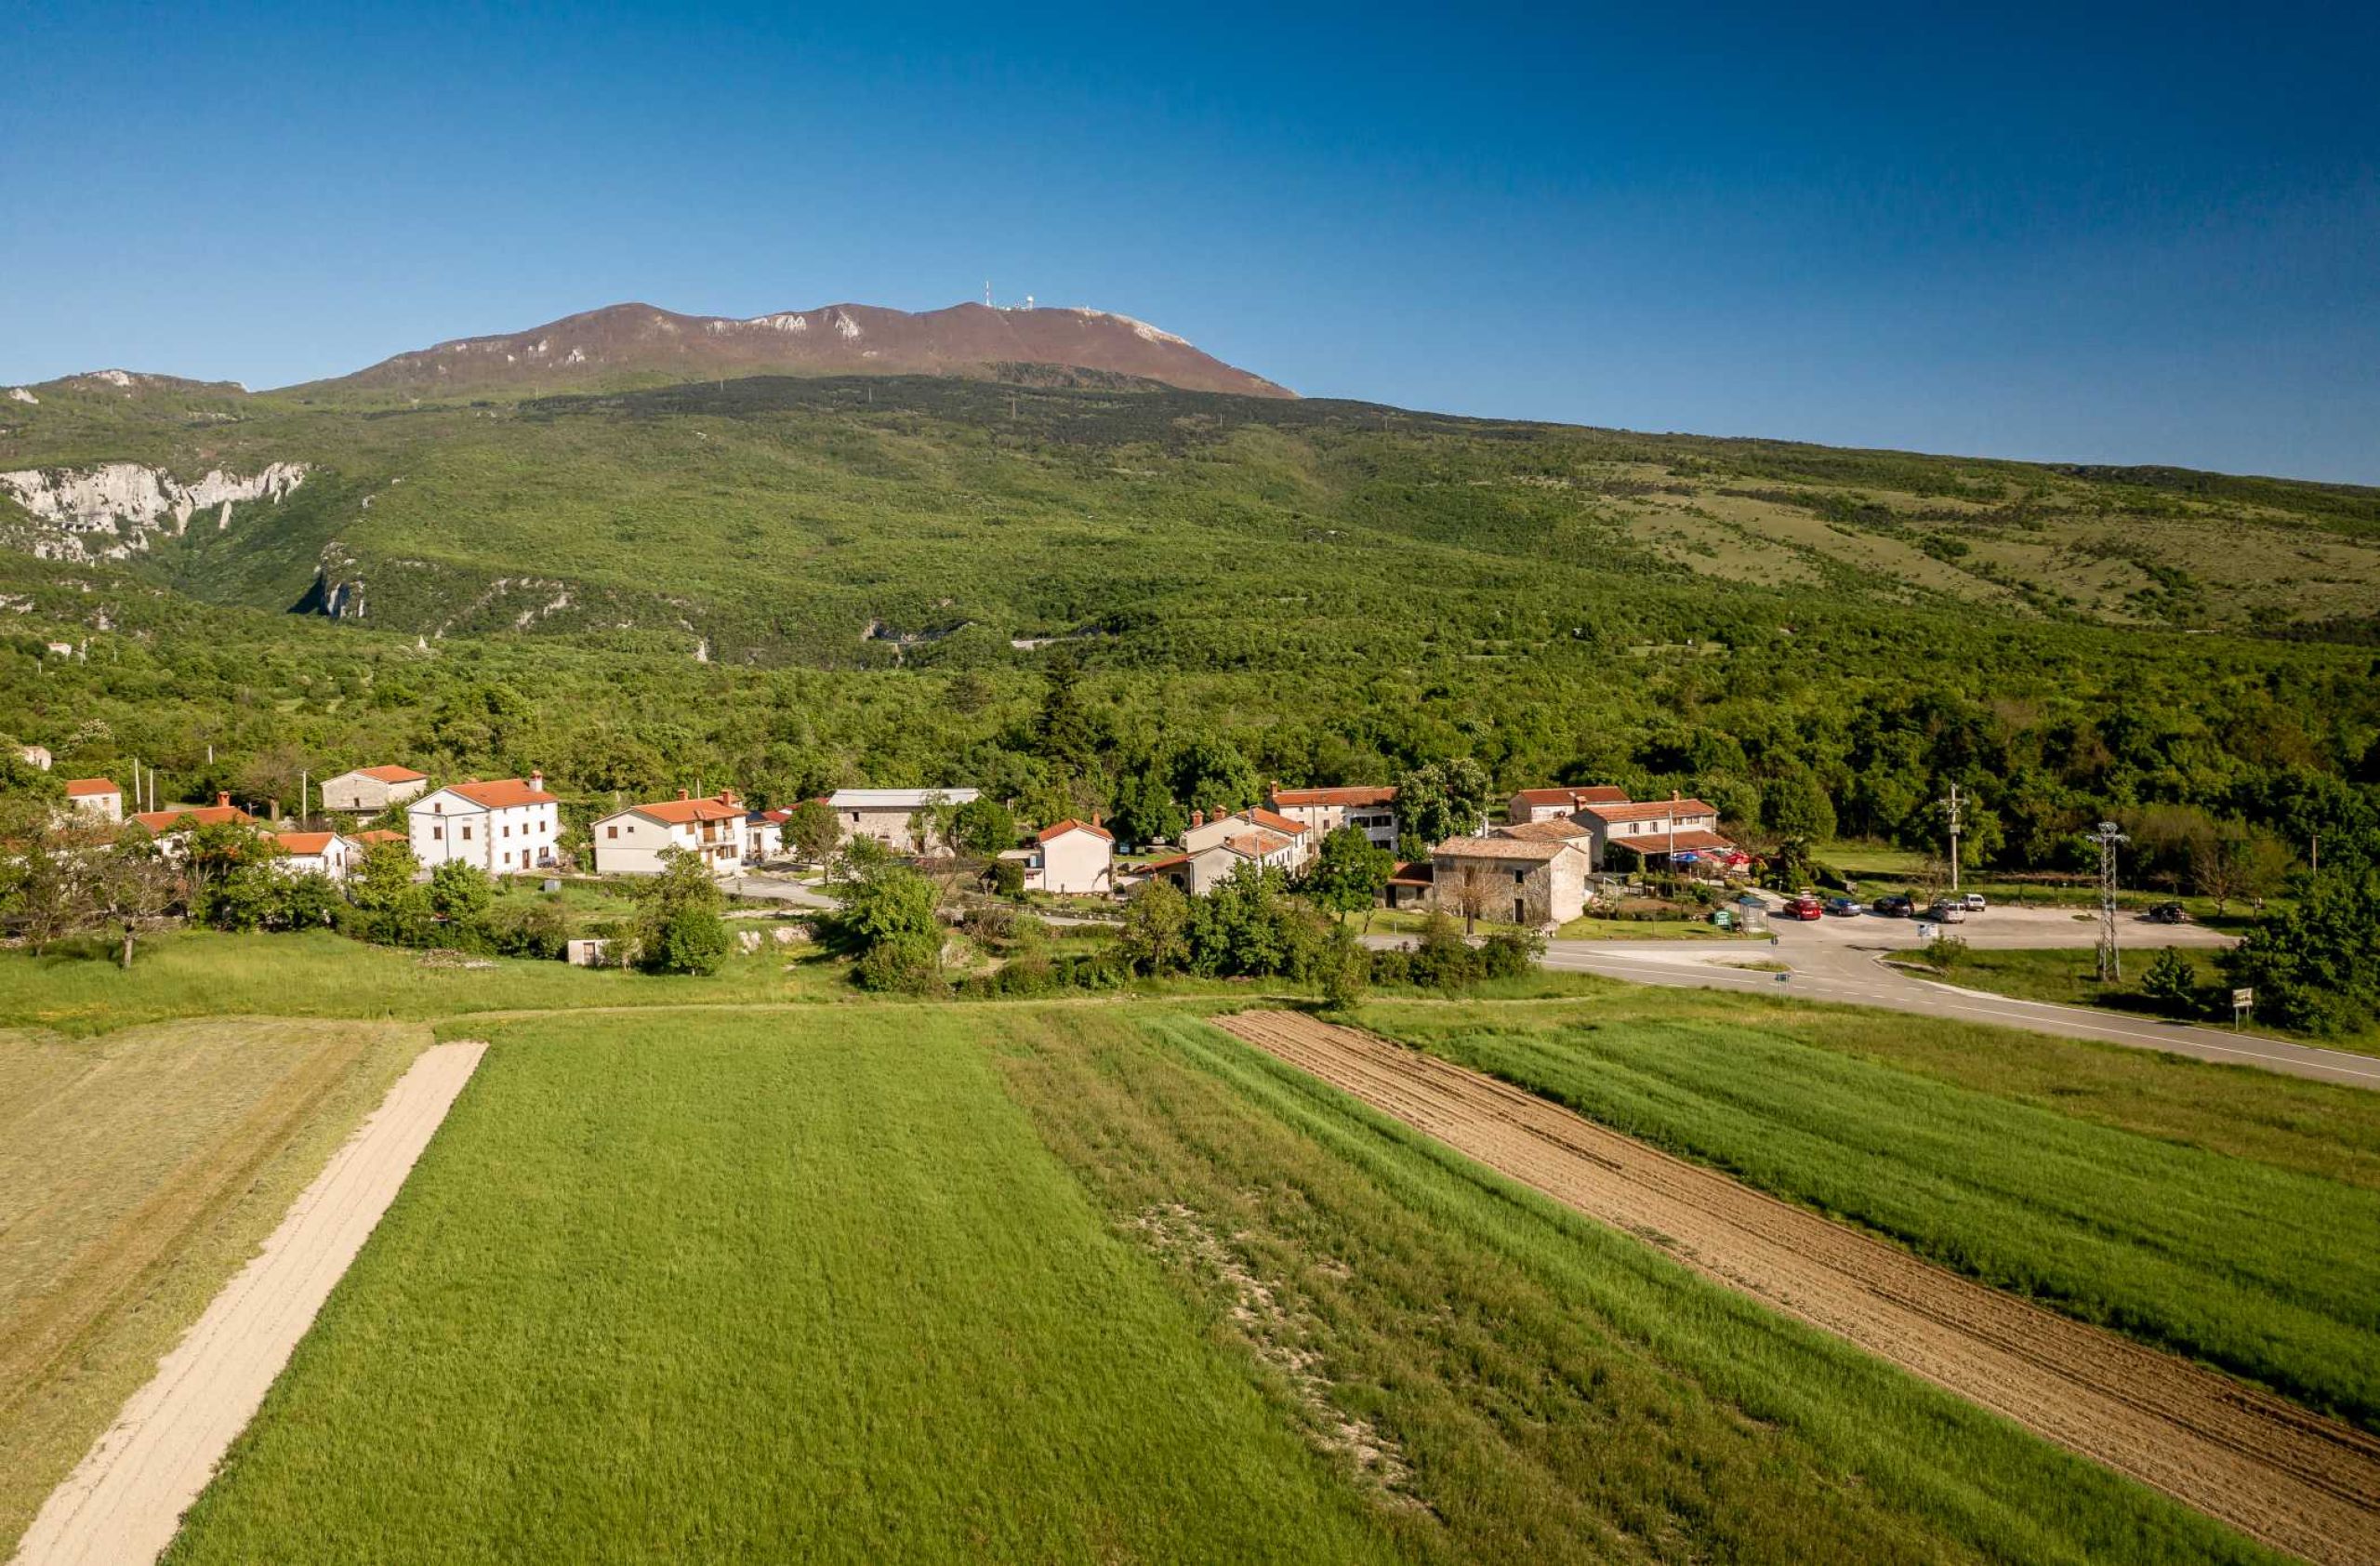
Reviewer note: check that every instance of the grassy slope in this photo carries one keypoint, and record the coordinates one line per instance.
(138, 1173)
(789, 512)
(785, 1288)
(2072, 978)
(2265, 1270)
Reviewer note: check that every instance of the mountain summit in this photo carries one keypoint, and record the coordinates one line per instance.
(637, 344)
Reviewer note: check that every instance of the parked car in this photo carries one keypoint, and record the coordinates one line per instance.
(1946, 914)
(1974, 903)
(1844, 908)
(2168, 913)
(1898, 905)
(1805, 909)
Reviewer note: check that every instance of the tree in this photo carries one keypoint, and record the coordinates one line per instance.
(2234, 860)
(135, 887)
(1063, 731)
(390, 907)
(1346, 969)
(677, 928)
(932, 823)
(1440, 799)
(1145, 809)
(812, 830)
(45, 884)
(983, 827)
(461, 893)
(1796, 804)
(1348, 874)
(2316, 965)
(1473, 890)
(1212, 775)
(1156, 936)
(887, 921)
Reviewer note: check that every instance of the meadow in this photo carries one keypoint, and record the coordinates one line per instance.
(1027, 1282)
(2269, 1272)
(137, 1172)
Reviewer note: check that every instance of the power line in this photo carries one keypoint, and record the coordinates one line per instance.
(1954, 806)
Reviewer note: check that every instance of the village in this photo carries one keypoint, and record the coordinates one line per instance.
(1556, 851)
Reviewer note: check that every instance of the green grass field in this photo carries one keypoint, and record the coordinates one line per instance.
(2267, 1270)
(1066, 1282)
(2071, 978)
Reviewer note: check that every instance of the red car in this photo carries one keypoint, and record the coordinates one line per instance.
(1804, 908)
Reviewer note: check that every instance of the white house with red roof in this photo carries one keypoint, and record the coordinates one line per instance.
(371, 790)
(1654, 829)
(1548, 804)
(329, 855)
(1323, 811)
(1072, 858)
(1296, 838)
(96, 797)
(504, 827)
(178, 819)
(631, 842)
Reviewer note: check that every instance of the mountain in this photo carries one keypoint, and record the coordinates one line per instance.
(630, 345)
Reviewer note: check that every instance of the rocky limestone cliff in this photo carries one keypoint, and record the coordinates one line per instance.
(115, 510)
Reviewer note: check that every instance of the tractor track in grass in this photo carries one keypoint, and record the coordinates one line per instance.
(2262, 1464)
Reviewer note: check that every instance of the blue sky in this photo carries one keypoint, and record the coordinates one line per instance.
(2110, 232)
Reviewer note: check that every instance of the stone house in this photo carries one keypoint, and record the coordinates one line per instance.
(371, 790)
(1525, 881)
(885, 814)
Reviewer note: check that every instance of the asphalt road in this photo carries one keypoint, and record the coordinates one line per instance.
(1842, 960)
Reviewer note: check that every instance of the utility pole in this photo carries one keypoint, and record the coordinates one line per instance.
(1955, 838)
(2111, 963)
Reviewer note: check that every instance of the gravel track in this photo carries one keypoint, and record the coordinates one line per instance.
(123, 1503)
(2262, 1464)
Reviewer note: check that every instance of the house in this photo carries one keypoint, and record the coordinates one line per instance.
(764, 835)
(505, 825)
(178, 819)
(1324, 810)
(96, 797)
(630, 842)
(1545, 804)
(329, 855)
(1654, 829)
(1560, 829)
(1527, 881)
(1072, 858)
(884, 814)
(371, 790)
(1409, 884)
(36, 756)
(1297, 839)
(366, 842)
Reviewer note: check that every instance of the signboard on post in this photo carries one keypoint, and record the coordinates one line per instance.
(2242, 1001)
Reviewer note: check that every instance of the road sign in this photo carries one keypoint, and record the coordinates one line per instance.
(2242, 999)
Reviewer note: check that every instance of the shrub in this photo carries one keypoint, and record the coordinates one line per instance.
(2172, 982)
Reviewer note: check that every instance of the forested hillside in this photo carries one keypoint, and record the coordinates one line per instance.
(784, 584)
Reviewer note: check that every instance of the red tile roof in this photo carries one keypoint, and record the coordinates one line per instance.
(304, 843)
(1593, 793)
(1646, 810)
(181, 816)
(378, 834)
(1273, 822)
(1414, 873)
(1343, 796)
(1663, 842)
(502, 794)
(1498, 848)
(1175, 862)
(89, 787)
(392, 774)
(679, 812)
(1071, 825)
(1561, 829)
(1256, 845)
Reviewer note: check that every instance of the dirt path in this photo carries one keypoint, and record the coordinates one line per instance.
(2262, 1464)
(123, 1502)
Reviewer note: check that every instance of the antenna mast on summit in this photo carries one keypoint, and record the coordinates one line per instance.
(987, 293)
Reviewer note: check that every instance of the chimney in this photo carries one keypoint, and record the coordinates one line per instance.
(1095, 819)
(537, 779)
(682, 794)
(727, 796)
(222, 798)
(1197, 817)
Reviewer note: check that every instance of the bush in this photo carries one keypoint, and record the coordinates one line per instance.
(539, 930)
(908, 964)
(1005, 878)
(1945, 952)
(2172, 982)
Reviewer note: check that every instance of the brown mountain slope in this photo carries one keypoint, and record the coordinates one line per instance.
(636, 343)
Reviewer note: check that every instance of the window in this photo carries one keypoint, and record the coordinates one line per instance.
(612, 830)
(1519, 876)
(437, 834)
(439, 808)
(508, 828)
(466, 835)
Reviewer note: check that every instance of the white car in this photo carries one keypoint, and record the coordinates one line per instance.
(1973, 902)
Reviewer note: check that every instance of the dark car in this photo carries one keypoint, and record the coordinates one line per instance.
(2168, 913)
(1844, 908)
(1896, 905)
